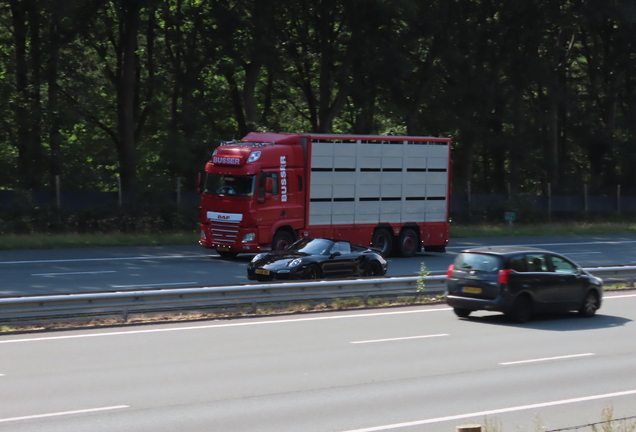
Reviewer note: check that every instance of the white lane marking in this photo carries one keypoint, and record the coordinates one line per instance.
(103, 259)
(547, 359)
(495, 411)
(399, 339)
(547, 244)
(618, 296)
(153, 285)
(235, 324)
(57, 414)
(73, 273)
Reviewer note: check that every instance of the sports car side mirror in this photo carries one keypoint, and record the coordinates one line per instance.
(335, 254)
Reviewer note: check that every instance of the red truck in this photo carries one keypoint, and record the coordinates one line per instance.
(269, 189)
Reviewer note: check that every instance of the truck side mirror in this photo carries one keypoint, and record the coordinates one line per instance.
(199, 183)
(269, 185)
(267, 197)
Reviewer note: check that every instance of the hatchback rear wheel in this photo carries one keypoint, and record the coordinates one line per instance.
(461, 312)
(521, 311)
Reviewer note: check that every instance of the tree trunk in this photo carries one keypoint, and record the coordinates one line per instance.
(127, 92)
(25, 141)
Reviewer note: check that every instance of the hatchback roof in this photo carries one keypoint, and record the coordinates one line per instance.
(503, 250)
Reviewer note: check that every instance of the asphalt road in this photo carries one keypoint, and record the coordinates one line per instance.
(64, 271)
(407, 369)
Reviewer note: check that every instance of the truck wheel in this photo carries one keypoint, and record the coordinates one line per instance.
(407, 243)
(282, 239)
(383, 240)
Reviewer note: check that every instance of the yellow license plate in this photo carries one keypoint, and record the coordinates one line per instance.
(261, 271)
(472, 290)
(223, 248)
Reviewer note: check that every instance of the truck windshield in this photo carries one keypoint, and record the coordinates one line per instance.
(235, 185)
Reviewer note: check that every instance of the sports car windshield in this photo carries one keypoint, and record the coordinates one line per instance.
(237, 185)
(311, 246)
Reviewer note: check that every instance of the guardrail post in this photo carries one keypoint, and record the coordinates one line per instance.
(124, 315)
(549, 203)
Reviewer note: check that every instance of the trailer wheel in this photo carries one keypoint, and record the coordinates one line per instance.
(407, 243)
(383, 240)
(282, 239)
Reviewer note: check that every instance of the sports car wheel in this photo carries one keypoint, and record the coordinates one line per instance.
(373, 269)
(407, 243)
(590, 305)
(383, 240)
(282, 239)
(312, 272)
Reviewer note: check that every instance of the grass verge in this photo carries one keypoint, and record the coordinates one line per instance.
(76, 240)
(561, 228)
(61, 241)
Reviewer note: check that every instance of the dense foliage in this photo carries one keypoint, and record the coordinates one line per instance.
(533, 92)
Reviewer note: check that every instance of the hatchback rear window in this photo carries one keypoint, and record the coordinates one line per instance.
(477, 262)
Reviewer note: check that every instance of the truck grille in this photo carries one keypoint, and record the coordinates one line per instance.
(224, 232)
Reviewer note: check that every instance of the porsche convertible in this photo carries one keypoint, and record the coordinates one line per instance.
(310, 258)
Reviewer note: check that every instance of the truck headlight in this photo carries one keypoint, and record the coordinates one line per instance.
(248, 238)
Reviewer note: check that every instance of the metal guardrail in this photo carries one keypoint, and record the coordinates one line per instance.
(157, 300)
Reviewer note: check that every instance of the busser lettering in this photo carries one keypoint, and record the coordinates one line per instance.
(226, 160)
(283, 178)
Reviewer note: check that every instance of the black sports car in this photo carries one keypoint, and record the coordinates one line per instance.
(310, 258)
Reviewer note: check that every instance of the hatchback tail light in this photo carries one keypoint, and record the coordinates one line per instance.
(503, 276)
(449, 273)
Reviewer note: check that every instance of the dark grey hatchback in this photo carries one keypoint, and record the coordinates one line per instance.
(520, 281)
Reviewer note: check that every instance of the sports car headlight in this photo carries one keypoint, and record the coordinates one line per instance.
(258, 256)
(294, 263)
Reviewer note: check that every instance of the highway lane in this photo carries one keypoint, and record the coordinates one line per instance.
(109, 269)
(407, 369)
